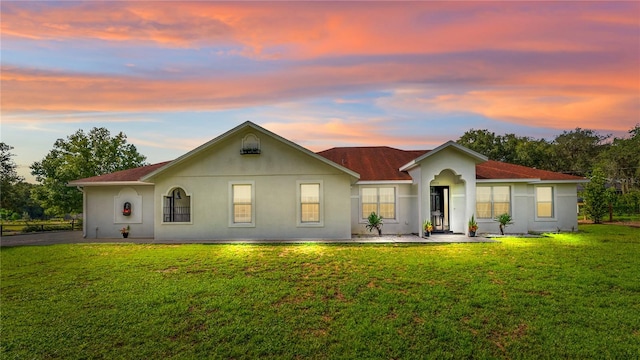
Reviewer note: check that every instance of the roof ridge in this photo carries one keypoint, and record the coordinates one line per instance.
(374, 147)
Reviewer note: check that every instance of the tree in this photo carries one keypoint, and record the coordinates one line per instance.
(621, 161)
(483, 142)
(79, 156)
(9, 178)
(534, 153)
(575, 152)
(596, 199)
(508, 148)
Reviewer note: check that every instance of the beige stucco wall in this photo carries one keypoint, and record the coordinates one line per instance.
(274, 173)
(103, 211)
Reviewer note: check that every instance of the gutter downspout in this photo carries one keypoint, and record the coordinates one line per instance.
(84, 212)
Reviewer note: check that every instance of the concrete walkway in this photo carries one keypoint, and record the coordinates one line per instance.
(75, 237)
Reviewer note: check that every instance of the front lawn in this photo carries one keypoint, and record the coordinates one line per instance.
(565, 296)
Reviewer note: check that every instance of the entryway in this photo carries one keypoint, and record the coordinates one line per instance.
(440, 209)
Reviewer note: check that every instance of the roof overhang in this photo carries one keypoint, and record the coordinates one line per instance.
(479, 158)
(247, 124)
(530, 181)
(109, 183)
(384, 182)
(484, 181)
(577, 181)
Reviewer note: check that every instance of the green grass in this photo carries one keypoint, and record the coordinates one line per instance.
(569, 296)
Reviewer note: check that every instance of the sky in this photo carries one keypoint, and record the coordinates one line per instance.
(411, 75)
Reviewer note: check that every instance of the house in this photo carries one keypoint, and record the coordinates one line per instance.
(250, 183)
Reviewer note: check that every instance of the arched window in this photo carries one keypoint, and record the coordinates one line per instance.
(177, 206)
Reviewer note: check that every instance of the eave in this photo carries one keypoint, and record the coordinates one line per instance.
(108, 183)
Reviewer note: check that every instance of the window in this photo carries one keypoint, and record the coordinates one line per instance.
(382, 201)
(177, 207)
(242, 203)
(492, 201)
(544, 201)
(309, 203)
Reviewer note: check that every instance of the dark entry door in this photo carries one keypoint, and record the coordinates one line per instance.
(440, 208)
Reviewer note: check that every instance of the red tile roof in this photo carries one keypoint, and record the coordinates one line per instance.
(501, 170)
(134, 174)
(374, 163)
(383, 162)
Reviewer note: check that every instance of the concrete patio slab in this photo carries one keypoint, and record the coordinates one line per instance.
(75, 237)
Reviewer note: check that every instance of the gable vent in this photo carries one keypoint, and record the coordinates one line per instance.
(250, 145)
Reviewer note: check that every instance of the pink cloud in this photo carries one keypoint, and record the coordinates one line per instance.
(310, 30)
(539, 91)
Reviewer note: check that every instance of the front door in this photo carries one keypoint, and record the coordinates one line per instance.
(440, 208)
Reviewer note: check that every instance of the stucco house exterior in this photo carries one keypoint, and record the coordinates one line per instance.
(250, 183)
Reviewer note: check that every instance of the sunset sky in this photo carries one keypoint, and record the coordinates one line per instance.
(173, 75)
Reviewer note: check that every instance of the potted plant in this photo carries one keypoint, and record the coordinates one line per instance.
(473, 226)
(125, 232)
(428, 228)
(504, 220)
(375, 222)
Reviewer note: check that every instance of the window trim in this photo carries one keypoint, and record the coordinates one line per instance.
(493, 216)
(168, 194)
(393, 220)
(553, 203)
(253, 204)
(299, 222)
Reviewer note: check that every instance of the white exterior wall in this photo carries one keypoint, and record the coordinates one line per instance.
(565, 200)
(462, 186)
(523, 209)
(275, 175)
(406, 215)
(103, 211)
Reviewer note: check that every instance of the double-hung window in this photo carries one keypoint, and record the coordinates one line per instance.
(544, 201)
(492, 201)
(310, 203)
(380, 200)
(242, 212)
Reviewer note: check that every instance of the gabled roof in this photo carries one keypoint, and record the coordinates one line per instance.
(142, 175)
(245, 125)
(479, 158)
(125, 176)
(373, 163)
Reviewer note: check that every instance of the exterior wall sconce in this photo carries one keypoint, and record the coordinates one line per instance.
(126, 211)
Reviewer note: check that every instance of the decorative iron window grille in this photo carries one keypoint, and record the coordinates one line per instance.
(176, 208)
(177, 214)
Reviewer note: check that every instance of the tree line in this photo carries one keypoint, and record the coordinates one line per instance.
(610, 162)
